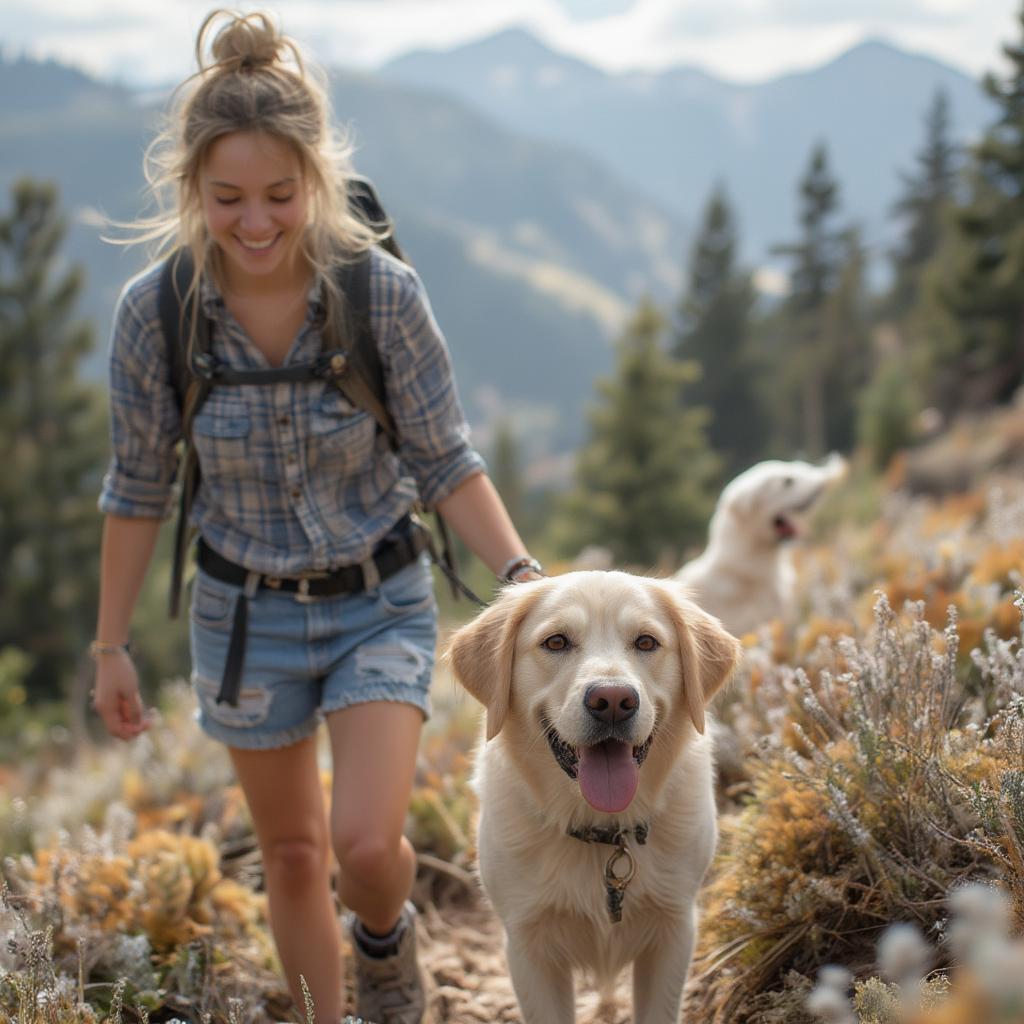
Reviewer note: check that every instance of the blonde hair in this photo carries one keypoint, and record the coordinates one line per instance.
(251, 77)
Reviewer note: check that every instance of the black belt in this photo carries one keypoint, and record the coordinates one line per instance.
(397, 550)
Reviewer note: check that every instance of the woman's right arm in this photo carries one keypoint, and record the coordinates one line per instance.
(125, 555)
(137, 493)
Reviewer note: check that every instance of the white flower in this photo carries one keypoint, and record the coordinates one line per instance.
(830, 1005)
(903, 955)
(981, 916)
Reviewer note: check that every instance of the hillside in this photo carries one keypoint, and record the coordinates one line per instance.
(880, 715)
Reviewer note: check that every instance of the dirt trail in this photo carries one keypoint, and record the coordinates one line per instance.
(463, 952)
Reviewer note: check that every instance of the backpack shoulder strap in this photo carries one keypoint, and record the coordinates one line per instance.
(176, 317)
(363, 383)
(365, 204)
(176, 323)
(365, 380)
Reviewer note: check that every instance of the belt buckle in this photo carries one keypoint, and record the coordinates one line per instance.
(302, 594)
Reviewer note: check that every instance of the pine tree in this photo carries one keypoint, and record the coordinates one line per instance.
(52, 428)
(921, 324)
(983, 284)
(824, 266)
(819, 255)
(846, 345)
(926, 199)
(714, 319)
(644, 479)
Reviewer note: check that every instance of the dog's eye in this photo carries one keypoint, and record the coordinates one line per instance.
(645, 642)
(788, 481)
(557, 642)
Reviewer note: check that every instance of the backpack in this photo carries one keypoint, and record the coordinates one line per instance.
(357, 371)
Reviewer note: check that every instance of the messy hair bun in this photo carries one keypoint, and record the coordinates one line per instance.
(243, 43)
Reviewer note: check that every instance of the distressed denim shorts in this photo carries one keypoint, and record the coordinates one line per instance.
(304, 660)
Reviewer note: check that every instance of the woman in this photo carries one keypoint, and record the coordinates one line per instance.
(297, 487)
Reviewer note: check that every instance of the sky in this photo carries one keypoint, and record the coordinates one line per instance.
(150, 42)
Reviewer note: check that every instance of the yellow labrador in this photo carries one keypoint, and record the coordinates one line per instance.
(745, 575)
(597, 820)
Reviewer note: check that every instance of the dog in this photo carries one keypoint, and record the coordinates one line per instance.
(745, 576)
(594, 776)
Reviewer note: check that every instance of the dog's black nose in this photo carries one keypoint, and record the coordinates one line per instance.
(611, 703)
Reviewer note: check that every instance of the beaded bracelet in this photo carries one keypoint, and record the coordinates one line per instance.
(514, 566)
(98, 647)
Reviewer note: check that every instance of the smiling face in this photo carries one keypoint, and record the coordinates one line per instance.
(255, 205)
(599, 666)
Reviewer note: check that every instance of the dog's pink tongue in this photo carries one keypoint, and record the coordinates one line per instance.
(784, 528)
(608, 775)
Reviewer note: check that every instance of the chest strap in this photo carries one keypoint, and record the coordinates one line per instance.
(327, 366)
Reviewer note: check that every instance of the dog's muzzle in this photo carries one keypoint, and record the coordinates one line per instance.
(568, 757)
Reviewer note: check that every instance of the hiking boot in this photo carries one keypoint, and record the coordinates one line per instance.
(389, 988)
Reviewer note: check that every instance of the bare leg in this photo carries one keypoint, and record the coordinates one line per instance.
(282, 787)
(374, 747)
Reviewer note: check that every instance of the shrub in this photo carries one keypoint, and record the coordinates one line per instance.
(887, 793)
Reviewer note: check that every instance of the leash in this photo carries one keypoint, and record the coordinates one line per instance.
(614, 883)
(443, 563)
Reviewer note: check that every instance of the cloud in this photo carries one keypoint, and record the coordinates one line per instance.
(745, 40)
(52, 17)
(907, 12)
(590, 10)
(750, 40)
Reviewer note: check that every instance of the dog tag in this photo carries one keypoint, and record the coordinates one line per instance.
(615, 885)
(615, 904)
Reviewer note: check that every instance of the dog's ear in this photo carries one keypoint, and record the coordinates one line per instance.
(741, 496)
(707, 653)
(482, 652)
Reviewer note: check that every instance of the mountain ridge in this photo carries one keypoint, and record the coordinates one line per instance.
(676, 133)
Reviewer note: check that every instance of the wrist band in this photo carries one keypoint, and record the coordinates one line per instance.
(514, 566)
(98, 647)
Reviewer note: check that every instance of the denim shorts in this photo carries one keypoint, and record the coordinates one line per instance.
(306, 659)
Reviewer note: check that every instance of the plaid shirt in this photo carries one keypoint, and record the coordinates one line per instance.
(294, 477)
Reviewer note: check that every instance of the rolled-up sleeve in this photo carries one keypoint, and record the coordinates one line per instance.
(433, 433)
(145, 423)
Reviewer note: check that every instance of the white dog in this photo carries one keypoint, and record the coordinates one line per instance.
(745, 575)
(597, 820)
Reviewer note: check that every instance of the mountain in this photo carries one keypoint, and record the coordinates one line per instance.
(31, 87)
(532, 253)
(542, 212)
(675, 133)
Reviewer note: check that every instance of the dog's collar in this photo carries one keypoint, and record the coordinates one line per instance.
(614, 882)
(610, 835)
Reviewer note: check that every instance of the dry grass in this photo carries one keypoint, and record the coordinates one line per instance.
(878, 768)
